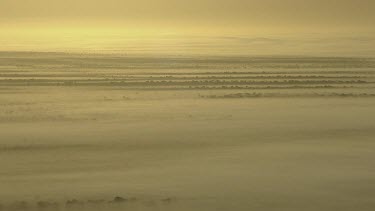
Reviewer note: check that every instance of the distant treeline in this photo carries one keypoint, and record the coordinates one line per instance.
(75, 204)
(270, 95)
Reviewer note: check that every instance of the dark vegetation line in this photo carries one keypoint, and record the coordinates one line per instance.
(289, 95)
(12, 148)
(181, 67)
(135, 72)
(154, 83)
(210, 87)
(75, 204)
(170, 77)
(245, 87)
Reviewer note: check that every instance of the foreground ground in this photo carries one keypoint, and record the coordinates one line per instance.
(186, 133)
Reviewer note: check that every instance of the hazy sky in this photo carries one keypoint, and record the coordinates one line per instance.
(246, 13)
(265, 18)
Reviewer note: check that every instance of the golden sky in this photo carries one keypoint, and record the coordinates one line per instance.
(271, 19)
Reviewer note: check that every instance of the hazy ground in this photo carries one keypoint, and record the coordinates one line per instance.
(186, 133)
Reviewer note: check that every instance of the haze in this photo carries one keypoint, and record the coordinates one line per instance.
(199, 105)
(84, 25)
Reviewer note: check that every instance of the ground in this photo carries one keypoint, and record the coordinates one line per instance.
(186, 133)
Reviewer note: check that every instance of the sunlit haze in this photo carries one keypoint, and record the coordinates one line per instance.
(246, 27)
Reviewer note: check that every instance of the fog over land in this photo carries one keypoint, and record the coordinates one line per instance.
(200, 105)
(185, 132)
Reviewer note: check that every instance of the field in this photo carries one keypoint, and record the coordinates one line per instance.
(146, 132)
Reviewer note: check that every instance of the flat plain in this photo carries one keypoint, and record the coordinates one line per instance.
(145, 132)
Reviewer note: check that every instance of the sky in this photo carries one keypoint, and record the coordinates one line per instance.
(98, 24)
